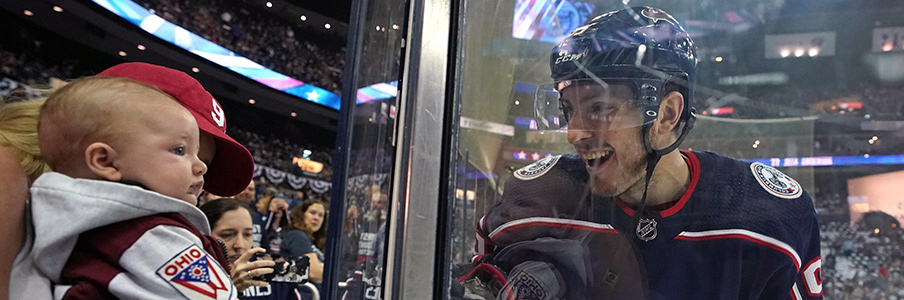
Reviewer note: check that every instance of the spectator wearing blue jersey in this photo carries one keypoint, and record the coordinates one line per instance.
(627, 216)
(307, 236)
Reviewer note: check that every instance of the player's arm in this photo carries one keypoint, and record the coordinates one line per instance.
(805, 280)
(809, 279)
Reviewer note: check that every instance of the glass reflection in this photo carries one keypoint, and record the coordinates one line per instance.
(804, 101)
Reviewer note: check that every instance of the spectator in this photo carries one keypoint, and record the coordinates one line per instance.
(307, 237)
(248, 197)
(231, 223)
(21, 163)
(260, 36)
(231, 165)
(106, 170)
(273, 208)
(207, 197)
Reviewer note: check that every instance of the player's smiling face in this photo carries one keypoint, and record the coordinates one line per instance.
(604, 128)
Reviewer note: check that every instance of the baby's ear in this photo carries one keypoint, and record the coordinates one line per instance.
(100, 157)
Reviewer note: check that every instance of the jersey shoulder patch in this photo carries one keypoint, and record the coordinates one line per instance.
(775, 182)
(196, 275)
(537, 169)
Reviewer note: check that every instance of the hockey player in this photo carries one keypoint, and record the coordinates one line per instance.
(628, 216)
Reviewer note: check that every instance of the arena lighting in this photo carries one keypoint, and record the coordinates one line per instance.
(327, 26)
(303, 18)
(772, 78)
(307, 165)
(28, 13)
(186, 40)
(798, 52)
(813, 52)
(141, 47)
(887, 47)
(251, 101)
(826, 161)
(195, 69)
(294, 114)
(122, 53)
(784, 53)
(57, 9)
(269, 4)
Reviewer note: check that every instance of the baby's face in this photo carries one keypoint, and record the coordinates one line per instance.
(161, 151)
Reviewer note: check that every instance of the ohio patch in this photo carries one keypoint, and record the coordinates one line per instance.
(537, 168)
(775, 182)
(194, 275)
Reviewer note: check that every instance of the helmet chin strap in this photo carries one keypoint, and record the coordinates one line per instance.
(653, 157)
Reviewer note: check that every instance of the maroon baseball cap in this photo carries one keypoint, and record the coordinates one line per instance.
(232, 167)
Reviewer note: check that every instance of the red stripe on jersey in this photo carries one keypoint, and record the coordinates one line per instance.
(488, 269)
(551, 222)
(95, 259)
(795, 293)
(694, 167)
(743, 234)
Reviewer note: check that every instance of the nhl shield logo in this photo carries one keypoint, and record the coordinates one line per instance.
(775, 182)
(537, 169)
(646, 230)
(194, 275)
(656, 14)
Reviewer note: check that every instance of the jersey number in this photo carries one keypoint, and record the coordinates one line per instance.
(813, 277)
(372, 292)
(217, 113)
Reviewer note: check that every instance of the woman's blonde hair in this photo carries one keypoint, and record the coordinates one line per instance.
(19, 134)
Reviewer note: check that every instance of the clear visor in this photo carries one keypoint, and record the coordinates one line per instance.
(588, 105)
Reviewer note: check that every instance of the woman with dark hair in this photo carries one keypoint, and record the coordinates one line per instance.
(230, 222)
(307, 236)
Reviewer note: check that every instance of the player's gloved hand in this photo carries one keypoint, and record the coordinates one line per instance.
(555, 268)
(477, 280)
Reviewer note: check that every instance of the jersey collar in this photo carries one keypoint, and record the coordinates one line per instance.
(694, 166)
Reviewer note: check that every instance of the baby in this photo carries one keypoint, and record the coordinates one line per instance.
(117, 218)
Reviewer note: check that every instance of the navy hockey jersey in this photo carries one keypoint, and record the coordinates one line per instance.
(273, 291)
(740, 231)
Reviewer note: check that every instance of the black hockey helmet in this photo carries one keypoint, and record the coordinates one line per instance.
(643, 47)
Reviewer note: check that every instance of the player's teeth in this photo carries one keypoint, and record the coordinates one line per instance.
(595, 155)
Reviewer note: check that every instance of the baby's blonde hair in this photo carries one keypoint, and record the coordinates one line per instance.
(19, 134)
(88, 110)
